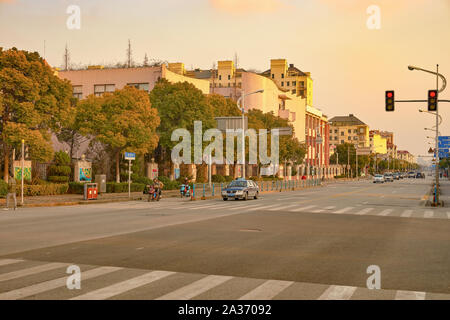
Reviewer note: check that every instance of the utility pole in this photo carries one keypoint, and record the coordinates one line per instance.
(129, 54)
(437, 138)
(66, 58)
(348, 159)
(23, 173)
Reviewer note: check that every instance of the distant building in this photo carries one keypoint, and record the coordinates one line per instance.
(348, 129)
(291, 79)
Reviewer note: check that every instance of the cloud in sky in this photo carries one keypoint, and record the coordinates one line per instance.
(247, 6)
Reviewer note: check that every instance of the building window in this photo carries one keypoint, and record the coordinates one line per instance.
(349, 131)
(342, 133)
(349, 138)
(335, 130)
(282, 76)
(355, 131)
(336, 138)
(342, 141)
(287, 83)
(302, 83)
(100, 89)
(361, 130)
(294, 83)
(78, 92)
(355, 138)
(220, 77)
(331, 131)
(229, 77)
(140, 86)
(220, 85)
(294, 91)
(239, 84)
(273, 76)
(282, 83)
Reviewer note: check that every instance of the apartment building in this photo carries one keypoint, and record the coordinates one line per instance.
(98, 80)
(289, 78)
(348, 129)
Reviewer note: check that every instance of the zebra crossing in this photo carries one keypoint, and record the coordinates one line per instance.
(299, 208)
(48, 280)
(270, 206)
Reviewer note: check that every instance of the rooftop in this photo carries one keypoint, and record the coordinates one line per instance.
(349, 120)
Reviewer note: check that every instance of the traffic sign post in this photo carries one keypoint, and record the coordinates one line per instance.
(129, 156)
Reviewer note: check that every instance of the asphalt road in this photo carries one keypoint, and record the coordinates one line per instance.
(310, 244)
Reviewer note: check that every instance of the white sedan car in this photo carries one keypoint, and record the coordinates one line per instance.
(378, 178)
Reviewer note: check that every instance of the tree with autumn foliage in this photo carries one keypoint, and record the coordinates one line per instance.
(123, 121)
(33, 103)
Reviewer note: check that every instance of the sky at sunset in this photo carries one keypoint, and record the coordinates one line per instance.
(350, 64)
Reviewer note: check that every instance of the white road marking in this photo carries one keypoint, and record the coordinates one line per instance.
(337, 293)
(409, 295)
(196, 288)
(385, 212)
(30, 271)
(208, 206)
(282, 207)
(124, 286)
(344, 210)
(53, 284)
(5, 262)
(364, 211)
(406, 214)
(244, 206)
(261, 207)
(302, 208)
(267, 290)
(428, 214)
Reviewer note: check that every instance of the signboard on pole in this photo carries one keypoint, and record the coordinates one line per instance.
(130, 156)
(444, 142)
(363, 151)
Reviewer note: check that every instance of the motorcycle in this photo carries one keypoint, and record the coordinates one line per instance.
(185, 190)
(153, 194)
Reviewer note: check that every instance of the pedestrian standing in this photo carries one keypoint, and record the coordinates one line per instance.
(11, 192)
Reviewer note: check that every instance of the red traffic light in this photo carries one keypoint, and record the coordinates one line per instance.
(432, 93)
(389, 94)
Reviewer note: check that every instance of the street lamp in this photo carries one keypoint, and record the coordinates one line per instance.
(444, 85)
(243, 125)
(433, 113)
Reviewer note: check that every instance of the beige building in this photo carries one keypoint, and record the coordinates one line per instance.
(291, 79)
(97, 80)
(349, 129)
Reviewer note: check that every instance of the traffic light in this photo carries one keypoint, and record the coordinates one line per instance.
(432, 100)
(389, 101)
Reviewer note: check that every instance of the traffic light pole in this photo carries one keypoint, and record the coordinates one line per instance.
(436, 189)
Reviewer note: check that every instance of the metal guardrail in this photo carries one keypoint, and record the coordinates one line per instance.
(203, 189)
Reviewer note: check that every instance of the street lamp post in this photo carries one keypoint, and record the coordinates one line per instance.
(444, 84)
(242, 97)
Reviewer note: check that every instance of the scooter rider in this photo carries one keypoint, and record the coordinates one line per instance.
(158, 185)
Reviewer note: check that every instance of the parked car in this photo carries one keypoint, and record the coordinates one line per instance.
(388, 177)
(378, 178)
(420, 175)
(411, 174)
(241, 189)
(396, 176)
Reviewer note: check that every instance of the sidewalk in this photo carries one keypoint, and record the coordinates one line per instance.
(77, 199)
(444, 186)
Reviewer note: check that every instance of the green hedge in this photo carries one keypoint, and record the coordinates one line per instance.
(113, 187)
(3, 188)
(54, 170)
(45, 189)
(58, 179)
(76, 187)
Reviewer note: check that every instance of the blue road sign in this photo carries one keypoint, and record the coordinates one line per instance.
(444, 141)
(130, 156)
